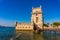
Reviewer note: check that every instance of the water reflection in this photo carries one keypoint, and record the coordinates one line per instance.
(29, 35)
(51, 35)
(46, 35)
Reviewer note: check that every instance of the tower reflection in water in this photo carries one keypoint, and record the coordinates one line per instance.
(46, 35)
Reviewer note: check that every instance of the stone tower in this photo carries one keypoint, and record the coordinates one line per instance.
(37, 16)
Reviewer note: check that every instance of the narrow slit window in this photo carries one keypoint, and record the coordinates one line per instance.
(36, 19)
(36, 14)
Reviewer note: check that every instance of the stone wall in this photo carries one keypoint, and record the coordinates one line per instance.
(24, 26)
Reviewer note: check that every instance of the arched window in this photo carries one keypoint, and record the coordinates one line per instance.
(29, 26)
(23, 27)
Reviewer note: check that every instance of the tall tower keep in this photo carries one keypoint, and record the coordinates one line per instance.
(37, 16)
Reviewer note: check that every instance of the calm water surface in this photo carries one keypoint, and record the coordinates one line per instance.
(8, 33)
(46, 35)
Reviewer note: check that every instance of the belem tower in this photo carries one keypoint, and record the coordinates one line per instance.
(36, 20)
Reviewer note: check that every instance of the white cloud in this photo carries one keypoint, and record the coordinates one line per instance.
(8, 23)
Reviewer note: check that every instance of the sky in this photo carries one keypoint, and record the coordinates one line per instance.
(20, 11)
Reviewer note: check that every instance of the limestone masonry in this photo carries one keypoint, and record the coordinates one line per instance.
(36, 20)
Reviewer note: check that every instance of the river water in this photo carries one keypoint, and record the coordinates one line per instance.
(45, 35)
(9, 33)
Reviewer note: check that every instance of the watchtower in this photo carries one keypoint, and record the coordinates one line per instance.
(37, 17)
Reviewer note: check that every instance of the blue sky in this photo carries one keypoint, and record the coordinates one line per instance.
(20, 10)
